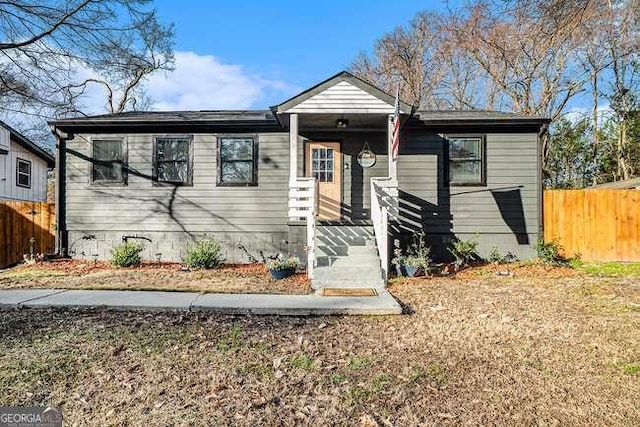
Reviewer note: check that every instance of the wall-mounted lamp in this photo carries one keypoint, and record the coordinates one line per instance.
(342, 123)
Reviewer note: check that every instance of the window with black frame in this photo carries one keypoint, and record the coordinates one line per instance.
(173, 160)
(108, 162)
(23, 173)
(466, 160)
(238, 164)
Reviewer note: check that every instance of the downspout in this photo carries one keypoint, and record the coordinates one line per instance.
(62, 236)
(543, 129)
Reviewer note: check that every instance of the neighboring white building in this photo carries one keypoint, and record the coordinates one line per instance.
(23, 167)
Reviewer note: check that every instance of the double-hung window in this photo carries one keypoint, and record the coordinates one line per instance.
(108, 165)
(467, 160)
(173, 161)
(23, 173)
(238, 161)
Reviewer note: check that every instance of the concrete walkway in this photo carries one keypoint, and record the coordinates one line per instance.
(287, 305)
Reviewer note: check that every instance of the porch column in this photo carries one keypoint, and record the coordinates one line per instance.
(293, 147)
(393, 164)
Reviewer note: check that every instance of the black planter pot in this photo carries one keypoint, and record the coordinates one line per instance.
(407, 271)
(281, 274)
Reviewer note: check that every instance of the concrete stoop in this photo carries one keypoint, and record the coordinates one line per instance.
(346, 257)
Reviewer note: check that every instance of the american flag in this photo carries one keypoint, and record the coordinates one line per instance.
(395, 135)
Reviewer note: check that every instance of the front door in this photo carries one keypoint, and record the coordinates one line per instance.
(323, 161)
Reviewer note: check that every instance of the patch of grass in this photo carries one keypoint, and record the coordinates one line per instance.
(358, 394)
(416, 375)
(30, 274)
(630, 368)
(357, 363)
(437, 374)
(302, 362)
(337, 378)
(380, 381)
(615, 269)
(28, 379)
(255, 369)
(233, 341)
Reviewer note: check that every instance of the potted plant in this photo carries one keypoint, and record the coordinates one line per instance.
(416, 260)
(281, 267)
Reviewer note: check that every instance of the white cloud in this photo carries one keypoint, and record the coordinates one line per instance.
(577, 113)
(203, 82)
(198, 82)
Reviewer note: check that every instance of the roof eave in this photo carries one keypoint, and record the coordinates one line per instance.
(24, 142)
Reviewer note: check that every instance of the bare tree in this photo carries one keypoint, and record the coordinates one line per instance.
(409, 57)
(52, 50)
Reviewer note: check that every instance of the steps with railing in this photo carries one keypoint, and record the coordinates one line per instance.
(384, 205)
(303, 206)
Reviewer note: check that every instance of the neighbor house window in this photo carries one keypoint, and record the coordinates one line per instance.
(23, 173)
(238, 161)
(108, 164)
(173, 161)
(466, 160)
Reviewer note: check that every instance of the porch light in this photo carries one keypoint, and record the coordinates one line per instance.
(342, 123)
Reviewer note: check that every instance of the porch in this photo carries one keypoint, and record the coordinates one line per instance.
(343, 183)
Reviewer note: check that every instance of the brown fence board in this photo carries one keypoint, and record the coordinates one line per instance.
(600, 225)
(21, 221)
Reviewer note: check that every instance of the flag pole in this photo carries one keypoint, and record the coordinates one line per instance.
(394, 137)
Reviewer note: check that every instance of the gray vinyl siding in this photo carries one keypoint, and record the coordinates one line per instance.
(504, 212)
(145, 207)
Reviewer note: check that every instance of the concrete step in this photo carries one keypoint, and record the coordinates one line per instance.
(365, 261)
(344, 250)
(347, 283)
(344, 230)
(345, 241)
(343, 276)
(346, 256)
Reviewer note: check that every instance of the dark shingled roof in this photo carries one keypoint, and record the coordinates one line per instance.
(475, 115)
(619, 185)
(30, 145)
(174, 121)
(267, 121)
(202, 116)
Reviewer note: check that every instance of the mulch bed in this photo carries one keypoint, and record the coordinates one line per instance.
(79, 274)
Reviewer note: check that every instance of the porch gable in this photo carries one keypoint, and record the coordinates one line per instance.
(343, 93)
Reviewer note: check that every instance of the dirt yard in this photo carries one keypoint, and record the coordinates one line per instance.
(543, 347)
(250, 278)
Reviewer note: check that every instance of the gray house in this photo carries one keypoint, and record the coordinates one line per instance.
(311, 176)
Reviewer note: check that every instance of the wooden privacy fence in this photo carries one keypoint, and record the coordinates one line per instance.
(19, 223)
(600, 225)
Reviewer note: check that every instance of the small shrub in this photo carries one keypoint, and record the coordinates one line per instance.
(417, 254)
(495, 257)
(127, 254)
(204, 253)
(281, 263)
(464, 251)
(549, 252)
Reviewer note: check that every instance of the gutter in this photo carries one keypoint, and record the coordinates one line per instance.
(543, 130)
(62, 235)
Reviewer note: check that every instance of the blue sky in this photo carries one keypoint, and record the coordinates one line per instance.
(253, 54)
